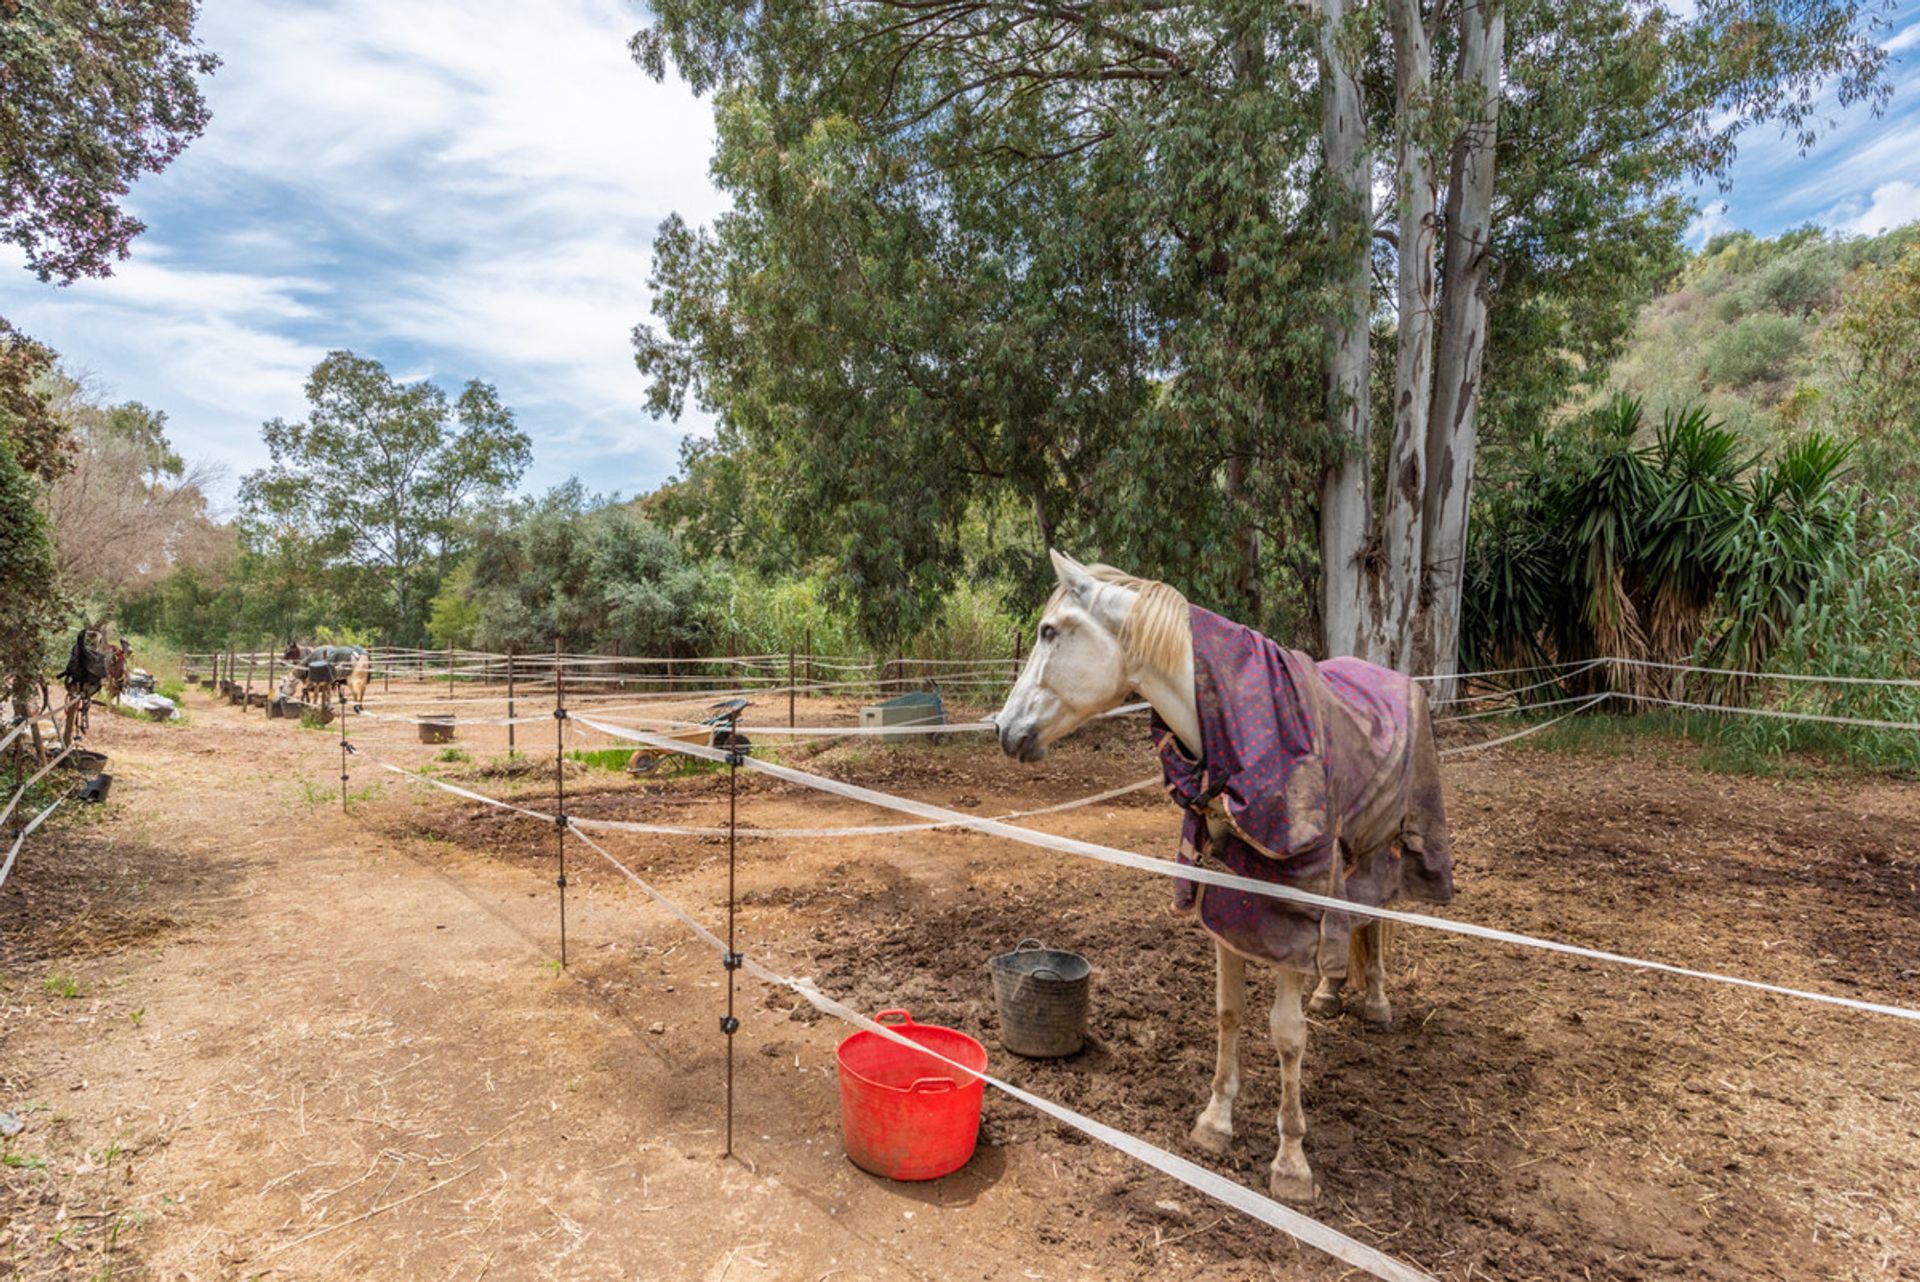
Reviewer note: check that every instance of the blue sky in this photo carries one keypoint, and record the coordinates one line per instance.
(461, 188)
(1862, 176)
(470, 188)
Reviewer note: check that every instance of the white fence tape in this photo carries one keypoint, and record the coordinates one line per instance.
(1823, 678)
(21, 791)
(1238, 1196)
(14, 850)
(772, 834)
(1508, 693)
(1214, 877)
(1484, 744)
(1199, 1178)
(1783, 714)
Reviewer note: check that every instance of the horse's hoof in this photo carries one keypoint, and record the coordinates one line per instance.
(1377, 1016)
(1211, 1138)
(1292, 1186)
(1324, 1004)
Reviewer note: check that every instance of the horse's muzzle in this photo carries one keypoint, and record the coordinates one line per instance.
(1023, 745)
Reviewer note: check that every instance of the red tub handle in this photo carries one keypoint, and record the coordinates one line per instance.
(881, 1017)
(933, 1085)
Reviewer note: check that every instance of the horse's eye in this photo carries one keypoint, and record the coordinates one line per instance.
(1048, 632)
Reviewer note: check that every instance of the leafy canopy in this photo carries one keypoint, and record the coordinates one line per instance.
(375, 482)
(96, 93)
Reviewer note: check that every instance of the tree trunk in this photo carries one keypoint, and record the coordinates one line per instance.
(1466, 263)
(1345, 509)
(1397, 599)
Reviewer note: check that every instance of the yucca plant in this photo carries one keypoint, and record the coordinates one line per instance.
(1608, 505)
(1515, 582)
(1698, 464)
(1779, 546)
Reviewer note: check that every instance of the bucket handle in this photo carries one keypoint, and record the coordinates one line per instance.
(932, 1086)
(905, 1019)
(1029, 944)
(1049, 971)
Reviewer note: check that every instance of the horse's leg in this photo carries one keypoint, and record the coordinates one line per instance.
(1325, 1001)
(1377, 1012)
(1214, 1129)
(1290, 1180)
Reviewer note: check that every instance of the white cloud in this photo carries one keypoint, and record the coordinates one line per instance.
(1902, 40)
(464, 188)
(1893, 204)
(1712, 219)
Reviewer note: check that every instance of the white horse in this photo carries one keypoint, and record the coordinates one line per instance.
(1106, 635)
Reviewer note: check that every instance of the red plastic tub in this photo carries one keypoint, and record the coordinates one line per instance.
(906, 1115)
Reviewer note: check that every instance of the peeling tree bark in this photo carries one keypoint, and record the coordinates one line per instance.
(1466, 258)
(1396, 595)
(1345, 507)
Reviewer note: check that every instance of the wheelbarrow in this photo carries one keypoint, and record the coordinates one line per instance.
(720, 729)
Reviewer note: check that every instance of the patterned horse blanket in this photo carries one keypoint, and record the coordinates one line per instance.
(326, 664)
(1322, 776)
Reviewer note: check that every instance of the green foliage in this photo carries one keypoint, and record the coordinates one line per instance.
(1779, 547)
(1602, 545)
(1756, 326)
(454, 616)
(590, 573)
(30, 601)
(765, 614)
(96, 95)
(374, 486)
(1755, 348)
(602, 758)
(973, 622)
(986, 256)
(1856, 618)
(1875, 351)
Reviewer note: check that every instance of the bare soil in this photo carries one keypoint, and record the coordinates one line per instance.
(250, 1035)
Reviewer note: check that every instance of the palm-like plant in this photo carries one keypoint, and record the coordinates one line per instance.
(1608, 506)
(1780, 544)
(1607, 546)
(1698, 465)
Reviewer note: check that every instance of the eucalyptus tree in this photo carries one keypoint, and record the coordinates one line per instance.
(1137, 243)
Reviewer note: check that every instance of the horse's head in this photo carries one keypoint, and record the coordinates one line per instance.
(1080, 664)
(293, 653)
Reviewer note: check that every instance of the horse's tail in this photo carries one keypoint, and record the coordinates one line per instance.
(1360, 946)
(358, 675)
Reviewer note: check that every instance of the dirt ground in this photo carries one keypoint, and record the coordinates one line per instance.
(250, 1035)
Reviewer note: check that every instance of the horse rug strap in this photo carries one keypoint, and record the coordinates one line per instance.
(1302, 765)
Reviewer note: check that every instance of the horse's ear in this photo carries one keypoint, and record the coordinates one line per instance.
(1073, 577)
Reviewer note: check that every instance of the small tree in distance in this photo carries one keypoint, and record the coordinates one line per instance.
(378, 478)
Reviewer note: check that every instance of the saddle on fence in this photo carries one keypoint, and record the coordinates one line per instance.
(86, 668)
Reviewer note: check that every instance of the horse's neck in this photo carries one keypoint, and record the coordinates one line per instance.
(1171, 694)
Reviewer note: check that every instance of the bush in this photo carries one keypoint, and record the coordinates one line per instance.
(1867, 597)
(1797, 282)
(1757, 348)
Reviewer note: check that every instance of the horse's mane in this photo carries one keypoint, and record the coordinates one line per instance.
(1157, 630)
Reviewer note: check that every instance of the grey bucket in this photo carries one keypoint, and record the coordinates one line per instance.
(1042, 996)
